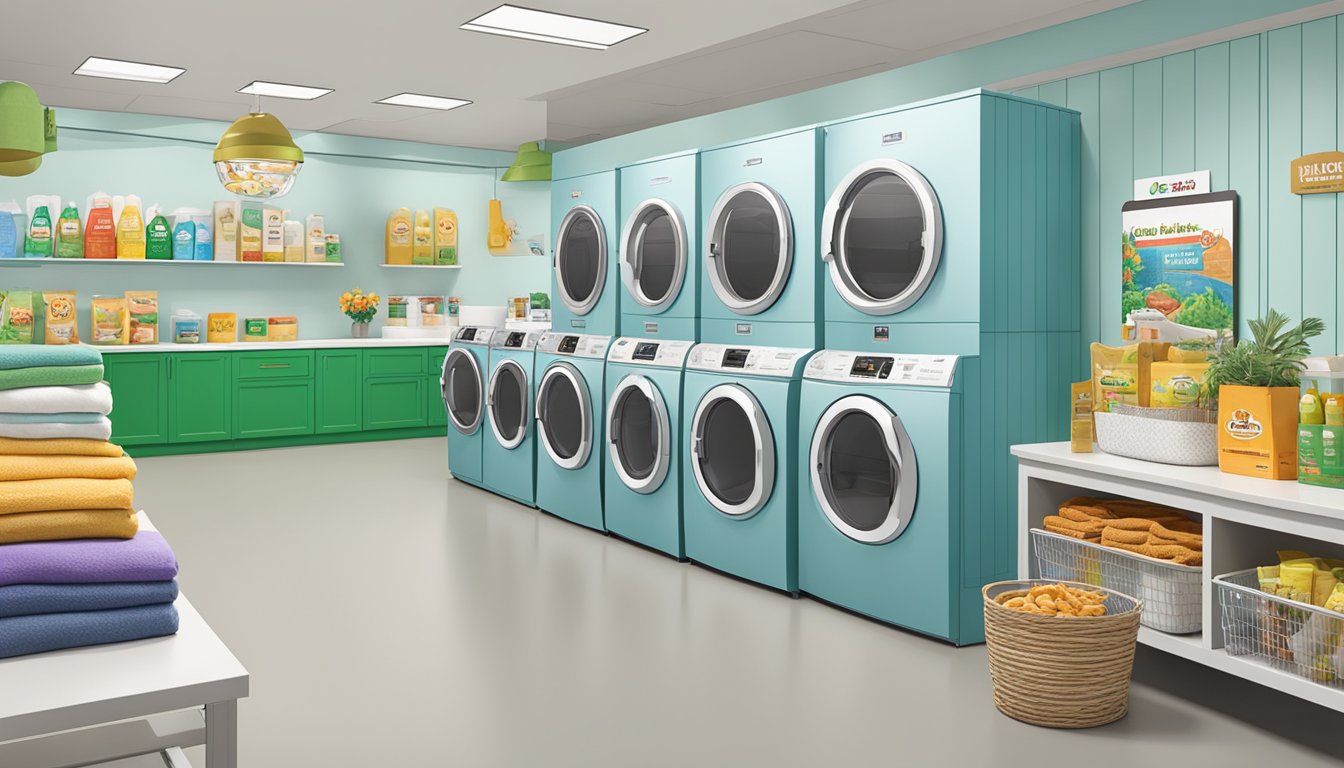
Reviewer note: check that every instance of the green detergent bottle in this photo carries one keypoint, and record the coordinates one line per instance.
(69, 234)
(38, 243)
(158, 236)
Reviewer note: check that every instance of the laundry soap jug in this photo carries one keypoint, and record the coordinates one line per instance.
(131, 230)
(422, 244)
(100, 230)
(184, 236)
(399, 237)
(38, 243)
(158, 236)
(498, 235)
(445, 237)
(204, 249)
(69, 233)
(315, 244)
(9, 230)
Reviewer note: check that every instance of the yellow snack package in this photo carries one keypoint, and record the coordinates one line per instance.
(143, 309)
(109, 320)
(1081, 422)
(62, 326)
(1124, 374)
(1178, 385)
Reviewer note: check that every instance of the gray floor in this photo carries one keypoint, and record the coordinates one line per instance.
(390, 615)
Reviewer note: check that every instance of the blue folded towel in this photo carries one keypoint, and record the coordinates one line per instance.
(36, 599)
(51, 418)
(47, 355)
(22, 635)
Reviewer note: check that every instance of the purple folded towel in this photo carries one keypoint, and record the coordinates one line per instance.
(147, 557)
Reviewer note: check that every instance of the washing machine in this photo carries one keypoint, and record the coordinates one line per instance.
(740, 498)
(463, 383)
(643, 462)
(584, 285)
(569, 413)
(660, 248)
(760, 283)
(509, 450)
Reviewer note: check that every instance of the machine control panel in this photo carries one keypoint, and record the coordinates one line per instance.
(780, 362)
(909, 370)
(660, 353)
(473, 335)
(520, 340)
(574, 344)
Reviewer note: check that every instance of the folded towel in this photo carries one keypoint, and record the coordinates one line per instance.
(38, 599)
(64, 493)
(50, 418)
(81, 398)
(43, 356)
(147, 557)
(68, 524)
(100, 430)
(22, 635)
(58, 447)
(56, 376)
(40, 467)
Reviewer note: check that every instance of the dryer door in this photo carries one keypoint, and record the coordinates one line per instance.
(639, 431)
(750, 247)
(733, 451)
(863, 470)
(581, 259)
(885, 233)
(565, 416)
(462, 396)
(653, 254)
(509, 402)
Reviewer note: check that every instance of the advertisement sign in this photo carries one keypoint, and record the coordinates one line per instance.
(1175, 185)
(1318, 173)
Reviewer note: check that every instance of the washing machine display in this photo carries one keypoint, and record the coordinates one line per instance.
(581, 259)
(750, 247)
(463, 386)
(654, 254)
(571, 370)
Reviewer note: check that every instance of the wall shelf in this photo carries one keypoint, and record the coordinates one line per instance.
(420, 266)
(164, 263)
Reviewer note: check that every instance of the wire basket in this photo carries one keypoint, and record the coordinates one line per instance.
(1172, 595)
(1183, 436)
(1295, 637)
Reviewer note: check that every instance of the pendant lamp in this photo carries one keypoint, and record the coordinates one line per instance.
(532, 163)
(20, 167)
(257, 157)
(22, 123)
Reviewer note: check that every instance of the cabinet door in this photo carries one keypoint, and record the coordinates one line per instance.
(402, 361)
(200, 407)
(339, 391)
(394, 402)
(139, 385)
(273, 408)
(437, 415)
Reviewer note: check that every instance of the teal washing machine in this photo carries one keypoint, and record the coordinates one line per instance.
(659, 248)
(585, 296)
(463, 382)
(509, 452)
(740, 497)
(569, 373)
(760, 280)
(643, 465)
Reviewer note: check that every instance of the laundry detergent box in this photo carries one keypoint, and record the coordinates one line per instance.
(1257, 431)
(249, 232)
(226, 230)
(272, 234)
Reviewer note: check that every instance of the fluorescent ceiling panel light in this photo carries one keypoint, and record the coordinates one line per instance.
(547, 27)
(283, 91)
(420, 100)
(116, 69)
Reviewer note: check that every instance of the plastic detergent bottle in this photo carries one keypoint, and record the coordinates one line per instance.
(69, 234)
(184, 236)
(131, 230)
(399, 237)
(422, 248)
(1309, 410)
(38, 244)
(205, 242)
(158, 237)
(100, 230)
(9, 230)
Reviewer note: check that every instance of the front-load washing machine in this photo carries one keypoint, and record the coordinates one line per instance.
(569, 412)
(643, 469)
(463, 382)
(760, 283)
(584, 281)
(740, 498)
(660, 249)
(509, 452)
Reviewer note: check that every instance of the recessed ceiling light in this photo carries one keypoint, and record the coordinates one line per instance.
(282, 90)
(127, 70)
(547, 27)
(420, 100)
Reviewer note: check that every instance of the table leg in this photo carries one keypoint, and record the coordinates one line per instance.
(221, 734)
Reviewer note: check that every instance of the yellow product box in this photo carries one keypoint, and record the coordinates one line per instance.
(282, 328)
(1082, 427)
(1124, 374)
(221, 327)
(1178, 385)
(1257, 431)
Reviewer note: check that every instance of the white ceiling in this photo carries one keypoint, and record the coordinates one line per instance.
(699, 56)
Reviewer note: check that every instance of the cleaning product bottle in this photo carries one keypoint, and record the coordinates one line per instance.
(497, 236)
(205, 241)
(1334, 410)
(100, 232)
(184, 236)
(131, 230)
(399, 237)
(9, 230)
(422, 244)
(445, 236)
(158, 237)
(315, 247)
(1309, 410)
(69, 233)
(38, 244)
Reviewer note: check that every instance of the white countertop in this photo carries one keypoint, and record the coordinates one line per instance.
(250, 346)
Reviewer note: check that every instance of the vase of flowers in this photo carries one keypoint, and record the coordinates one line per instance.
(359, 307)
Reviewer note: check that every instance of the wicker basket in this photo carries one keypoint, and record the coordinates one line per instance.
(1184, 436)
(1060, 672)
(1300, 638)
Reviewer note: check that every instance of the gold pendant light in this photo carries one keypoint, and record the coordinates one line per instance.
(257, 157)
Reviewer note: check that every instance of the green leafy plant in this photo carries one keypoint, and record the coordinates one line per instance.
(1271, 358)
(1205, 310)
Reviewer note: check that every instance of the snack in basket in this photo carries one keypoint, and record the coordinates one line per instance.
(1055, 600)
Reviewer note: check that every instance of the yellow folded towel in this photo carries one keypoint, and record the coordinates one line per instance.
(93, 467)
(56, 494)
(10, 446)
(70, 524)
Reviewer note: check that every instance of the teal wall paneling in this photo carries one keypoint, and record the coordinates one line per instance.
(1245, 169)
(1319, 131)
(1085, 96)
(1178, 112)
(1117, 186)
(1285, 142)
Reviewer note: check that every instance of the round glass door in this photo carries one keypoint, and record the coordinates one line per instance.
(653, 254)
(863, 470)
(509, 403)
(750, 247)
(733, 451)
(885, 237)
(581, 259)
(462, 390)
(638, 428)
(564, 416)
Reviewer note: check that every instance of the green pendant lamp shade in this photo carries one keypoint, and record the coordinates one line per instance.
(531, 164)
(20, 167)
(22, 123)
(257, 157)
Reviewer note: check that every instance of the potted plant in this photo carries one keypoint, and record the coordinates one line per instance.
(359, 307)
(1256, 383)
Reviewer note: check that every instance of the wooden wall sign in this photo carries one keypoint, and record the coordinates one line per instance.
(1318, 173)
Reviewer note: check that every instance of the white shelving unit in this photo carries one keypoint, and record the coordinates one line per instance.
(420, 266)
(1245, 520)
(162, 263)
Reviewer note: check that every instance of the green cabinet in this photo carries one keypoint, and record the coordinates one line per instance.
(199, 400)
(436, 413)
(394, 402)
(339, 401)
(139, 385)
(273, 408)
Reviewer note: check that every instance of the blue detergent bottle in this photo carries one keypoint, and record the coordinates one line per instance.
(9, 230)
(184, 238)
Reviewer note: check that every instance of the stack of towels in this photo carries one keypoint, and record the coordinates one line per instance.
(75, 568)
(1151, 530)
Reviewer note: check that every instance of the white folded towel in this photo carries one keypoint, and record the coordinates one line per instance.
(81, 398)
(100, 430)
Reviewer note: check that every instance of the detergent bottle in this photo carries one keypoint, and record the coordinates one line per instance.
(38, 244)
(158, 237)
(131, 230)
(100, 232)
(69, 234)
(9, 230)
(399, 237)
(422, 247)
(184, 236)
(497, 236)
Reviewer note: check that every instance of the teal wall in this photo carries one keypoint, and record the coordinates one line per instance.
(353, 182)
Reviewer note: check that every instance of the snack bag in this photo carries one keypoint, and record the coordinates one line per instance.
(143, 309)
(62, 326)
(109, 320)
(16, 317)
(1081, 423)
(1178, 385)
(1123, 374)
